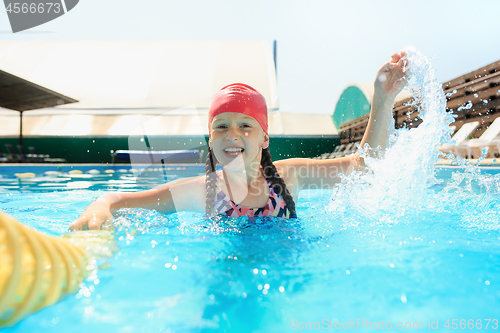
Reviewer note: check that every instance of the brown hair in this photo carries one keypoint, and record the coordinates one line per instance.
(270, 173)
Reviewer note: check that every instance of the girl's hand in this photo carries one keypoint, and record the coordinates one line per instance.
(96, 214)
(92, 219)
(391, 78)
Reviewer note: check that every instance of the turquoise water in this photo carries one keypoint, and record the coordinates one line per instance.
(182, 273)
(403, 246)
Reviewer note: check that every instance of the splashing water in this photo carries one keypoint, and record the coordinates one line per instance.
(402, 185)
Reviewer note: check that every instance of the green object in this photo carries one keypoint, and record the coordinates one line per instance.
(97, 149)
(352, 104)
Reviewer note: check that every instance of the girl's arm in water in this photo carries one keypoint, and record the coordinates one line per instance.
(180, 195)
(303, 173)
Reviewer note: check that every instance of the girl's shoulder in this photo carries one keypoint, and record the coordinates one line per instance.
(189, 193)
(288, 169)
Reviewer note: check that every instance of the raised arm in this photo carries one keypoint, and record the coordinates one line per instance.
(185, 194)
(389, 81)
(301, 173)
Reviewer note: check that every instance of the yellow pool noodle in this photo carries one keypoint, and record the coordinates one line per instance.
(25, 175)
(37, 269)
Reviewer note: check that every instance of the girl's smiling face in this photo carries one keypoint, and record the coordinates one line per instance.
(237, 139)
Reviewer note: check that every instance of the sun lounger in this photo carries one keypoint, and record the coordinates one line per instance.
(34, 152)
(459, 140)
(323, 156)
(164, 156)
(335, 151)
(489, 139)
(12, 155)
(30, 158)
(3, 157)
(349, 148)
(340, 152)
(353, 149)
(34, 157)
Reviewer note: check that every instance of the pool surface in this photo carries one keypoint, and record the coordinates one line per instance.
(402, 246)
(183, 273)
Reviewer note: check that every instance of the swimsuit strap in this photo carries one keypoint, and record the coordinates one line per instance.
(275, 205)
(271, 190)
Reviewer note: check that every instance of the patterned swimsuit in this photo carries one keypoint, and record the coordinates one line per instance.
(275, 206)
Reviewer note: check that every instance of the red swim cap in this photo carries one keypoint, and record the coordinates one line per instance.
(241, 98)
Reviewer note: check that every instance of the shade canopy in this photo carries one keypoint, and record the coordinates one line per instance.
(143, 74)
(22, 95)
(163, 86)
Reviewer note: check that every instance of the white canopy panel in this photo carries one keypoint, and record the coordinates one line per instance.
(142, 74)
(165, 86)
(280, 123)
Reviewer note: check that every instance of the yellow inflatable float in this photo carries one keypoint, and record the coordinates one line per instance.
(36, 270)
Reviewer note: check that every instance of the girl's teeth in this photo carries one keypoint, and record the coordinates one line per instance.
(233, 151)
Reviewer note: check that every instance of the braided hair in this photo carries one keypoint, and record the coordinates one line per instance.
(270, 173)
(210, 182)
(276, 181)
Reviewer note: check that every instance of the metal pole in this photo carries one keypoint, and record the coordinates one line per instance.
(275, 54)
(21, 128)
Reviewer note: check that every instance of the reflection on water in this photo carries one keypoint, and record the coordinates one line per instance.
(187, 273)
(37, 179)
(398, 244)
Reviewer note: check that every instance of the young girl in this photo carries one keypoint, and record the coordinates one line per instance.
(250, 184)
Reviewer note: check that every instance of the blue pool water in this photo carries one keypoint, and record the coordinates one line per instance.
(182, 273)
(402, 246)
